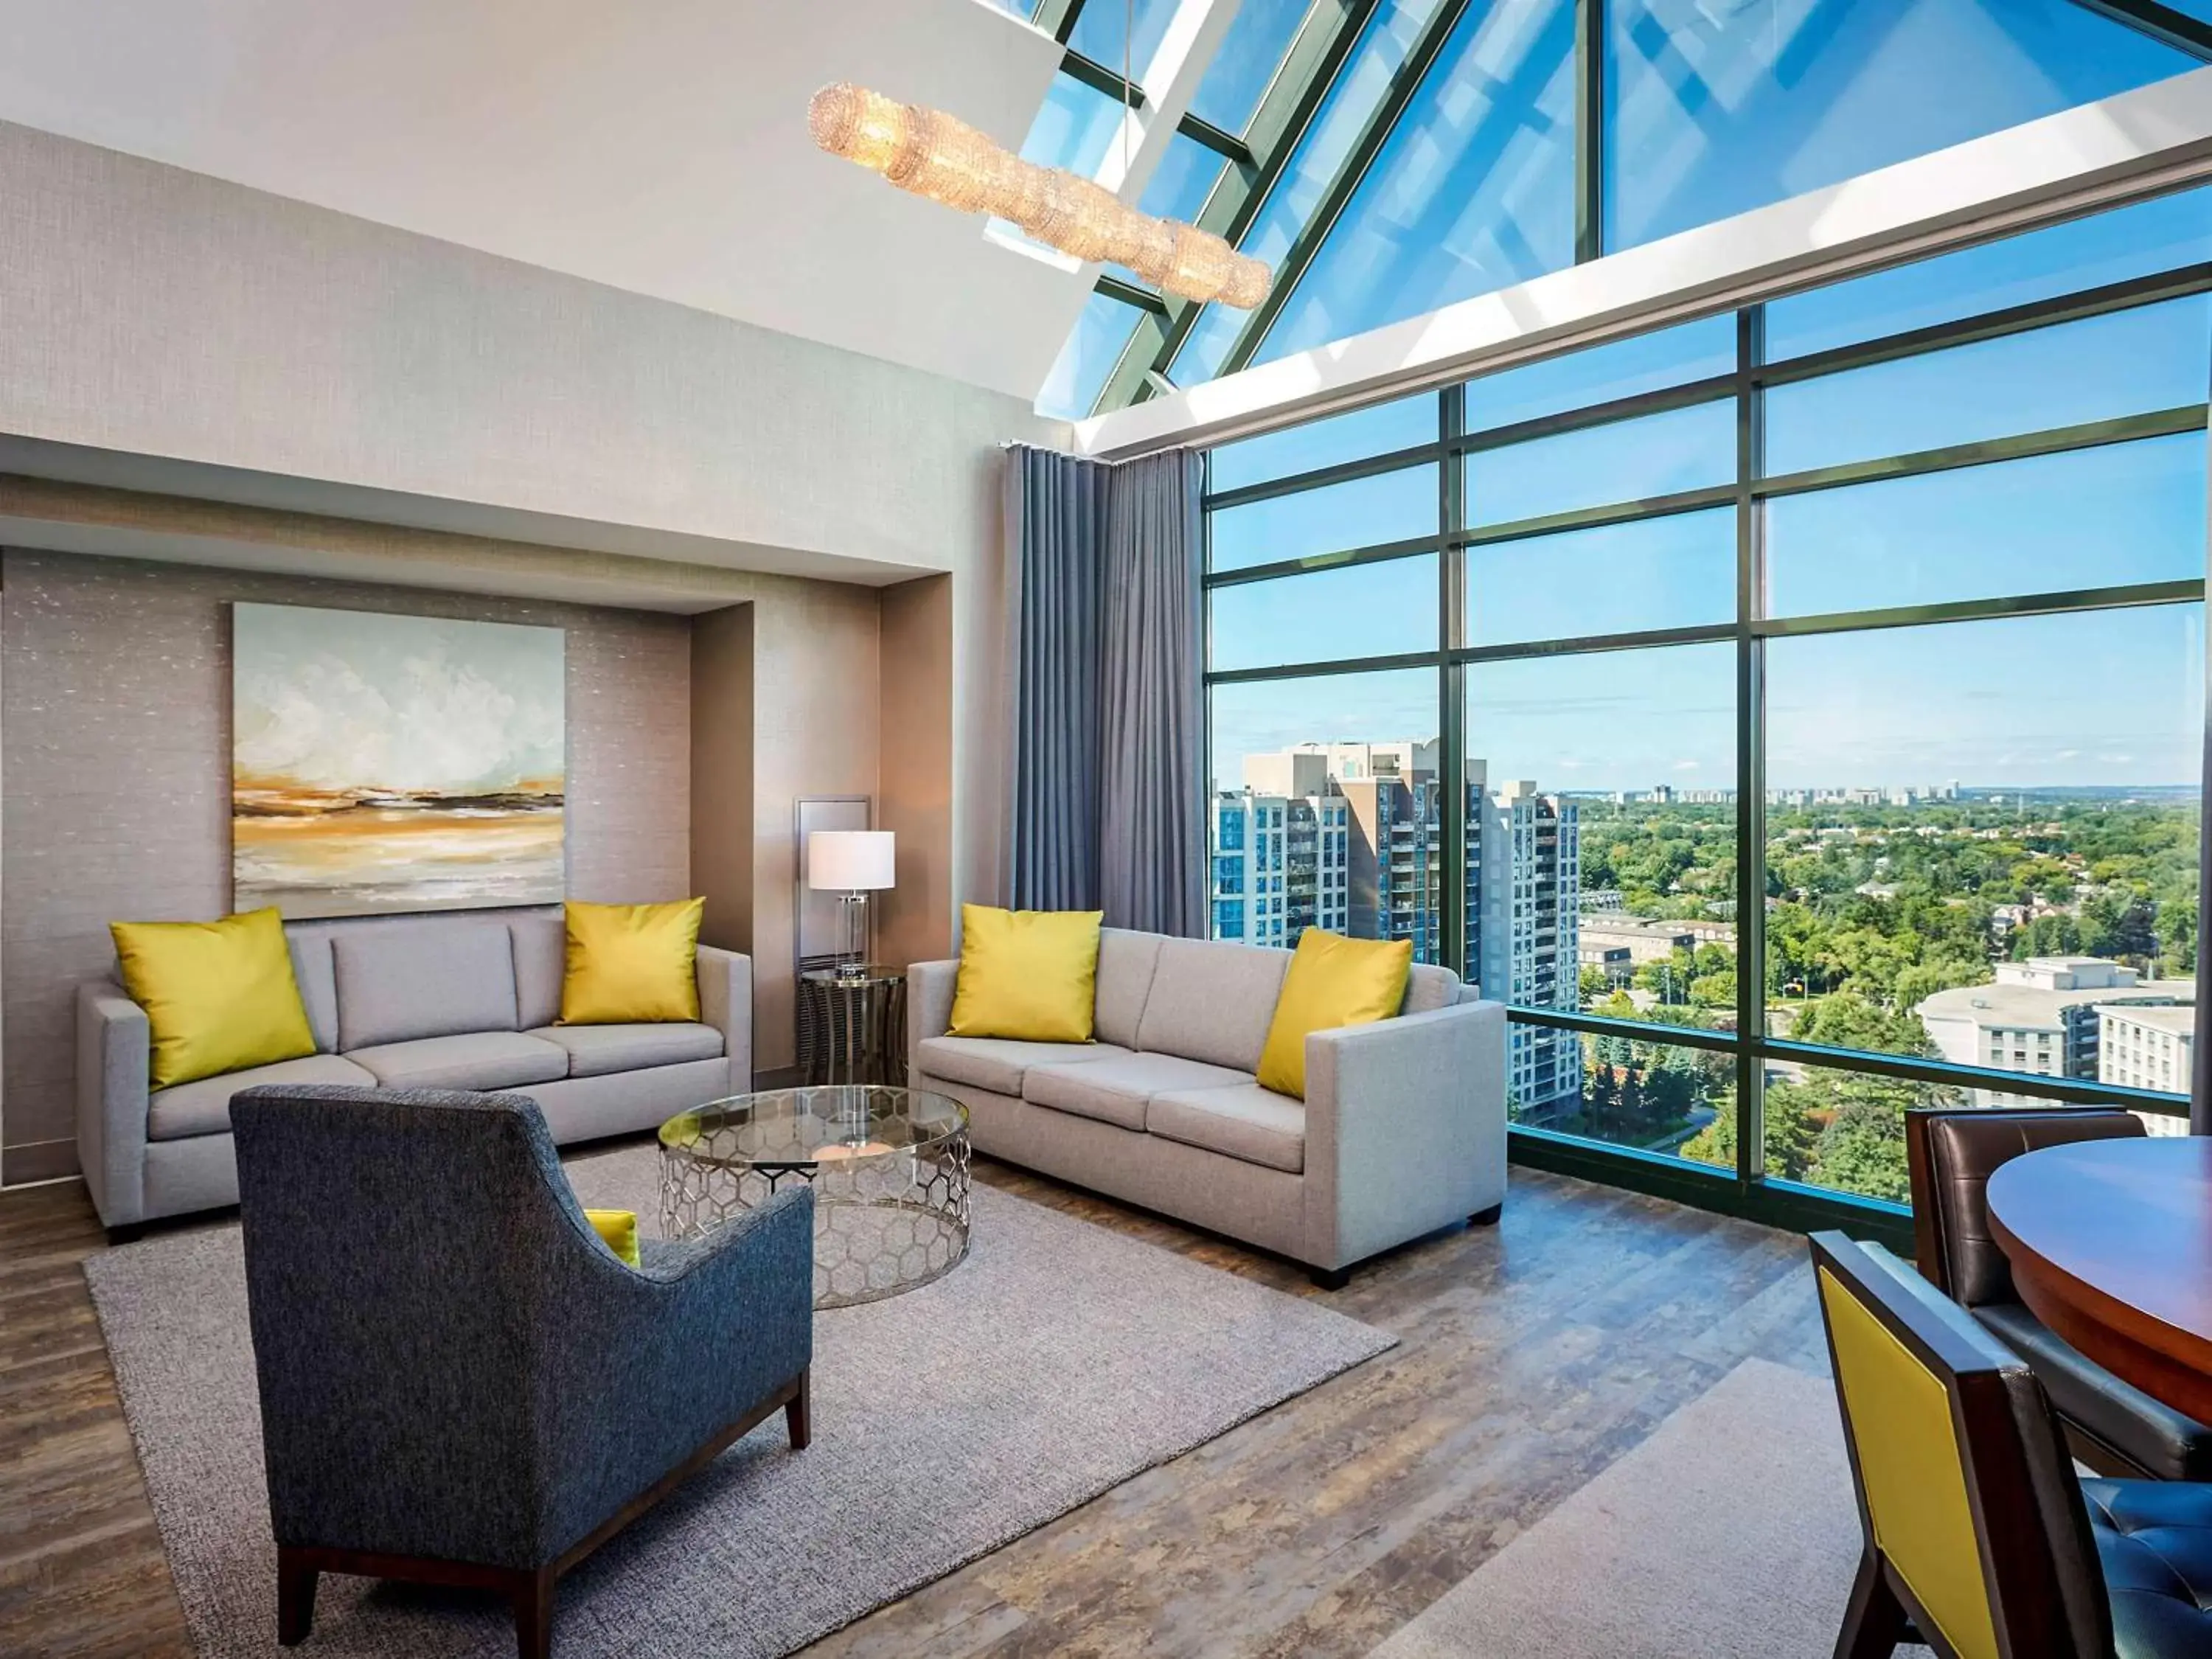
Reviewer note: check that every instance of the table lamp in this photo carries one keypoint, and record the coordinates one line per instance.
(852, 864)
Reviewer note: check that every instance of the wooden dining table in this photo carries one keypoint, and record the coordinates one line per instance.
(2110, 1246)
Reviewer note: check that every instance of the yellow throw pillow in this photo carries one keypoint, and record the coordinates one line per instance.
(1333, 982)
(220, 995)
(1031, 975)
(632, 963)
(618, 1230)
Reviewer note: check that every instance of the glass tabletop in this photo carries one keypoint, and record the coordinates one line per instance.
(834, 1123)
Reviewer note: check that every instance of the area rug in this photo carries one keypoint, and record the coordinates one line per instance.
(1731, 1533)
(1057, 1361)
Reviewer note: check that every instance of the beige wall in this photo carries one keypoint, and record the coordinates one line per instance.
(197, 371)
(915, 797)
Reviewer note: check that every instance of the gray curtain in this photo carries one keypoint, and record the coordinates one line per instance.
(1055, 527)
(1108, 703)
(1151, 840)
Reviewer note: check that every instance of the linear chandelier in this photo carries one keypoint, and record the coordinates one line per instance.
(939, 156)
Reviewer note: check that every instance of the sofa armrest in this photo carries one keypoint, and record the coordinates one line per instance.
(1405, 1128)
(726, 1002)
(114, 1060)
(929, 987)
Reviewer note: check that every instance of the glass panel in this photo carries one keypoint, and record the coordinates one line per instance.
(1675, 572)
(1366, 610)
(1365, 512)
(1186, 174)
(1326, 810)
(1648, 363)
(1473, 191)
(1615, 891)
(1844, 1130)
(1353, 437)
(1074, 127)
(2096, 518)
(1358, 88)
(1978, 832)
(1650, 456)
(2108, 248)
(1712, 110)
(1656, 1096)
(1246, 62)
(1105, 30)
(2130, 362)
(1087, 357)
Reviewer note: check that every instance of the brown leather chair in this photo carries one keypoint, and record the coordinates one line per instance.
(2110, 1425)
(1979, 1541)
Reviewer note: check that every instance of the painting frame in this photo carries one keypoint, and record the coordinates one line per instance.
(387, 764)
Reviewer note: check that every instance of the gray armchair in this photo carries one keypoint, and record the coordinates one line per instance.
(460, 1383)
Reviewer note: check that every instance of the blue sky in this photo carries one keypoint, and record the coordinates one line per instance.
(2103, 698)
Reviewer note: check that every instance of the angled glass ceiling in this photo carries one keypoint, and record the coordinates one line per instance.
(1391, 156)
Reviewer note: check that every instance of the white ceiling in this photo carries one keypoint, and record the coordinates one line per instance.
(659, 146)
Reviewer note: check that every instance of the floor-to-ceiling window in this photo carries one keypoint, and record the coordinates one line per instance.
(1794, 715)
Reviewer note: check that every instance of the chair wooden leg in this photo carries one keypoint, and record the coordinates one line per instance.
(798, 1412)
(295, 1599)
(533, 1614)
(1874, 1620)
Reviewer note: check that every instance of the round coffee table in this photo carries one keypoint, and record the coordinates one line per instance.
(889, 1168)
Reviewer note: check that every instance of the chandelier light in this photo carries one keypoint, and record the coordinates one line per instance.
(939, 156)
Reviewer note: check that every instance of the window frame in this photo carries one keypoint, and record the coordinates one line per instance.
(1748, 1189)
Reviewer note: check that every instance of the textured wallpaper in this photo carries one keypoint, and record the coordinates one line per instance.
(115, 778)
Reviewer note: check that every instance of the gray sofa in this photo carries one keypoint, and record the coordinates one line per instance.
(403, 1002)
(1402, 1130)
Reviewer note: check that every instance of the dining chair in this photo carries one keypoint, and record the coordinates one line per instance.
(1979, 1540)
(2111, 1426)
(460, 1383)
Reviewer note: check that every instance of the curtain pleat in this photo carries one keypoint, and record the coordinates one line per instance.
(1106, 803)
(1152, 699)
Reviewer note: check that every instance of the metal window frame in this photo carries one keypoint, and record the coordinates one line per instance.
(1748, 1189)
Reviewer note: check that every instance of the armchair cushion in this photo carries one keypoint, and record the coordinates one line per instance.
(202, 1106)
(1243, 1121)
(1114, 1091)
(2149, 1433)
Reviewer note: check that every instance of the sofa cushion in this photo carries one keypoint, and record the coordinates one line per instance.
(597, 1050)
(1211, 1001)
(480, 1059)
(541, 961)
(399, 983)
(1245, 1123)
(1429, 987)
(1126, 962)
(997, 1063)
(1114, 1091)
(203, 1107)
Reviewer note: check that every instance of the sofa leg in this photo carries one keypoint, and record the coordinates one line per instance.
(798, 1412)
(1487, 1218)
(129, 1233)
(533, 1614)
(295, 1599)
(1330, 1279)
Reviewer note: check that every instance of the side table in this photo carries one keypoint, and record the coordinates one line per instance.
(857, 1025)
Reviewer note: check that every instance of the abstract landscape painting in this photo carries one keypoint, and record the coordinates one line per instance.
(384, 763)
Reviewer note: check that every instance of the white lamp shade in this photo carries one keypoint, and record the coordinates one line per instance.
(849, 860)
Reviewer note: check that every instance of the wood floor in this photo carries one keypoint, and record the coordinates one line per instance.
(1534, 1354)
